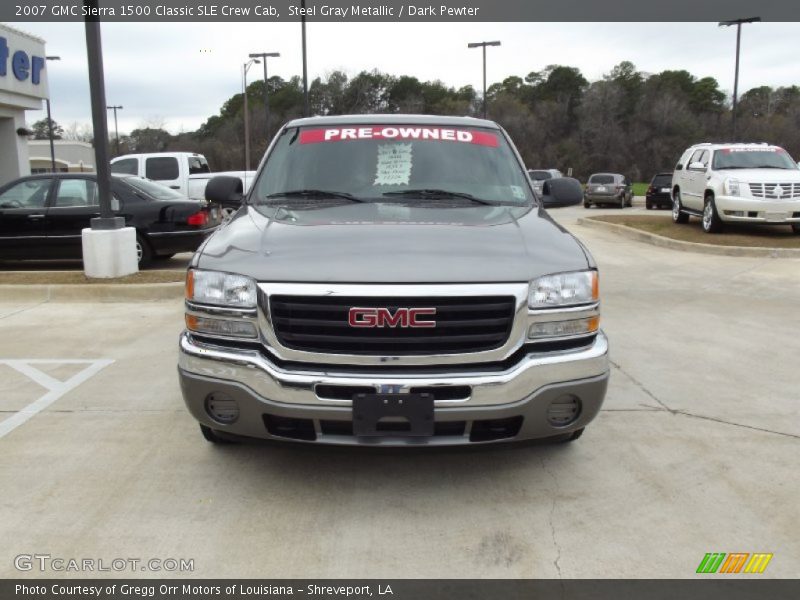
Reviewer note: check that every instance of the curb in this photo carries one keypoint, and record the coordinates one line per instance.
(92, 292)
(665, 242)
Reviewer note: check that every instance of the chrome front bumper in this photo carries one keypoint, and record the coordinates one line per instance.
(763, 211)
(525, 389)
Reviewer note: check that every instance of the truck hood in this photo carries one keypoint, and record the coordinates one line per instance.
(389, 243)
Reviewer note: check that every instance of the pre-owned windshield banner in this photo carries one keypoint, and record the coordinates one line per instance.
(388, 133)
(398, 10)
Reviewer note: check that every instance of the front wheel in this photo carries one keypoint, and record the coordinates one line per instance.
(144, 253)
(796, 229)
(622, 202)
(678, 216)
(648, 205)
(711, 221)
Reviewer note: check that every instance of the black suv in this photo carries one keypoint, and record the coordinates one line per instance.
(658, 192)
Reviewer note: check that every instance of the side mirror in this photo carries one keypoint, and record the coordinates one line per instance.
(697, 166)
(225, 190)
(562, 191)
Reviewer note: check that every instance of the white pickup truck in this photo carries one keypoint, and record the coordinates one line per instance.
(186, 172)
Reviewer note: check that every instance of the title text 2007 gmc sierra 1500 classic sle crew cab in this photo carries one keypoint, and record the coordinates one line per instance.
(393, 281)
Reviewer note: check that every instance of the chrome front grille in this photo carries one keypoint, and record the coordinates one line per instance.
(775, 191)
(319, 324)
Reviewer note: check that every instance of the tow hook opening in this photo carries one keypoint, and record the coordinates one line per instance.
(495, 429)
(286, 427)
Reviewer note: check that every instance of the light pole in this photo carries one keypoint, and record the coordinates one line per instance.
(738, 23)
(483, 45)
(116, 129)
(305, 64)
(264, 56)
(50, 124)
(245, 68)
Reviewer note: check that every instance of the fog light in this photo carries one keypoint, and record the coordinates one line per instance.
(226, 327)
(222, 408)
(549, 329)
(563, 410)
(734, 213)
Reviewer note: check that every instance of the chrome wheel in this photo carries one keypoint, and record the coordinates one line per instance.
(678, 216)
(708, 214)
(138, 251)
(711, 221)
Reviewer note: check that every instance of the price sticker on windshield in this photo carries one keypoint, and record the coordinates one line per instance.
(394, 164)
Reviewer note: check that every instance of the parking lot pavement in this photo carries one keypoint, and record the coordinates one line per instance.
(697, 449)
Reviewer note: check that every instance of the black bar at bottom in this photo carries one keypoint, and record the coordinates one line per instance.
(705, 587)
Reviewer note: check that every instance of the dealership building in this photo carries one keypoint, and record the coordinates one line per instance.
(23, 86)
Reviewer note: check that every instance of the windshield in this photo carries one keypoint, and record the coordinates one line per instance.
(153, 189)
(601, 179)
(403, 164)
(753, 158)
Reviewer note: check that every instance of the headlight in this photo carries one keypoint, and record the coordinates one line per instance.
(222, 289)
(732, 187)
(564, 289)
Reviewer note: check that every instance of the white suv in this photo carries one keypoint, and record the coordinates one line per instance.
(730, 183)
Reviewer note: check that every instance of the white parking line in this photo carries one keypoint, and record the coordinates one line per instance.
(55, 387)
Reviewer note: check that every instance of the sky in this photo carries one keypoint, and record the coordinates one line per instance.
(179, 74)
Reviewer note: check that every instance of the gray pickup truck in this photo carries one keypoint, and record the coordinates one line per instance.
(392, 281)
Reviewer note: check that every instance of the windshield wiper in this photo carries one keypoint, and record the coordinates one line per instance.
(437, 193)
(314, 194)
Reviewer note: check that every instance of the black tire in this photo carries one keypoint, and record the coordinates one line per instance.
(630, 201)
(622, 202)
(211, 436)
(711, 221)
(144, 251)
(678, 216)
(648, 205)
(796, 229)
(165, 256)
(587, 204)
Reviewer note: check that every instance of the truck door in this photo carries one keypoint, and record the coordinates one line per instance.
(692, 190)
(166, 170)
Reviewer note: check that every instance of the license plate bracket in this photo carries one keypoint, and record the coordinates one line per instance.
(405, 415)
(775, 216)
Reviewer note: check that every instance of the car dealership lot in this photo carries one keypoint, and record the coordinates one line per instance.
(696, 450)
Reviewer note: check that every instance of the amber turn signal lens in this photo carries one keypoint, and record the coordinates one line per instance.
(189, 285)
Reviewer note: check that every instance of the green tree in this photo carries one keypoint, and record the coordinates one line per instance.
(42, 132)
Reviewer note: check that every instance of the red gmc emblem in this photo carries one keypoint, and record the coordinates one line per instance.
(383, 317)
